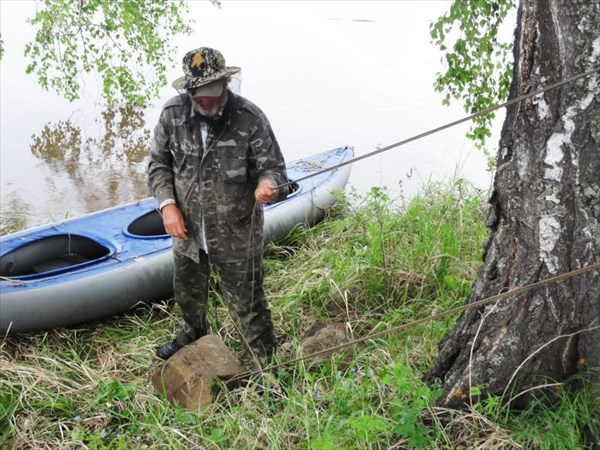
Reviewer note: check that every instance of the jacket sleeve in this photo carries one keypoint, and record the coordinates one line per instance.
(267, 163)
(160, 168)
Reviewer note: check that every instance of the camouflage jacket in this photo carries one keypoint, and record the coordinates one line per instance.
(216, 184)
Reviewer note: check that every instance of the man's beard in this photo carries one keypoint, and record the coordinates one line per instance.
(208, 113)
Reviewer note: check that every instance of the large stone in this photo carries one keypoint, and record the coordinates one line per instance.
(188, 377)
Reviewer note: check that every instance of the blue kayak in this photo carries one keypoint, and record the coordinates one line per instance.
(104, 263)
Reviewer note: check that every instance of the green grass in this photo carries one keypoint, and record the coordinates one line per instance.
(374, 264)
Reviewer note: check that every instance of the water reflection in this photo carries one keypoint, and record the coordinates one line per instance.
(12, 218)
(104, 170)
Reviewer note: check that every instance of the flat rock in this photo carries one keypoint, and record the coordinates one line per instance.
(187, 378)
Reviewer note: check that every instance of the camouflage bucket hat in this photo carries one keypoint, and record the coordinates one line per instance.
(202, 66)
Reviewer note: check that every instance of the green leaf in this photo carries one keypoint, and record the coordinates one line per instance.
(478, 68)
(128, 43)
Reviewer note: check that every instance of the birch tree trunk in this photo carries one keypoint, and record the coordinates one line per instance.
(544, 220)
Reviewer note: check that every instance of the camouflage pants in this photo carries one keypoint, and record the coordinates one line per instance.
(241, 284)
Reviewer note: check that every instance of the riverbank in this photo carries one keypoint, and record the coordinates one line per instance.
(375, 264)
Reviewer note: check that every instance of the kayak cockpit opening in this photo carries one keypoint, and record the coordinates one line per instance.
(293, 188)
(51, 254)
(149, 225)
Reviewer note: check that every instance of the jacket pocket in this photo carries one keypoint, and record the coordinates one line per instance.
(185, 158)
(234, 169)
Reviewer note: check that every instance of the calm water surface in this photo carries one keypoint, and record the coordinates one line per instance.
(326, 74)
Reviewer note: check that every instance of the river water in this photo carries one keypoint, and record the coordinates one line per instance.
(327, 74)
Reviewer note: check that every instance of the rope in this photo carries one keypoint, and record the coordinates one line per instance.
(452, 311)
(450, 125)
(11, 280)
(456, 310)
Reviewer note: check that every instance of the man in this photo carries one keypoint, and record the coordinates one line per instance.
(213, 163)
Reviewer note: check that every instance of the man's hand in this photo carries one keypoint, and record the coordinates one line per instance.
(265, 192)
(173, 221)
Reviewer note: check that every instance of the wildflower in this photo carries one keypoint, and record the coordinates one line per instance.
(318, 394)
(77, 418)
(103, 434)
